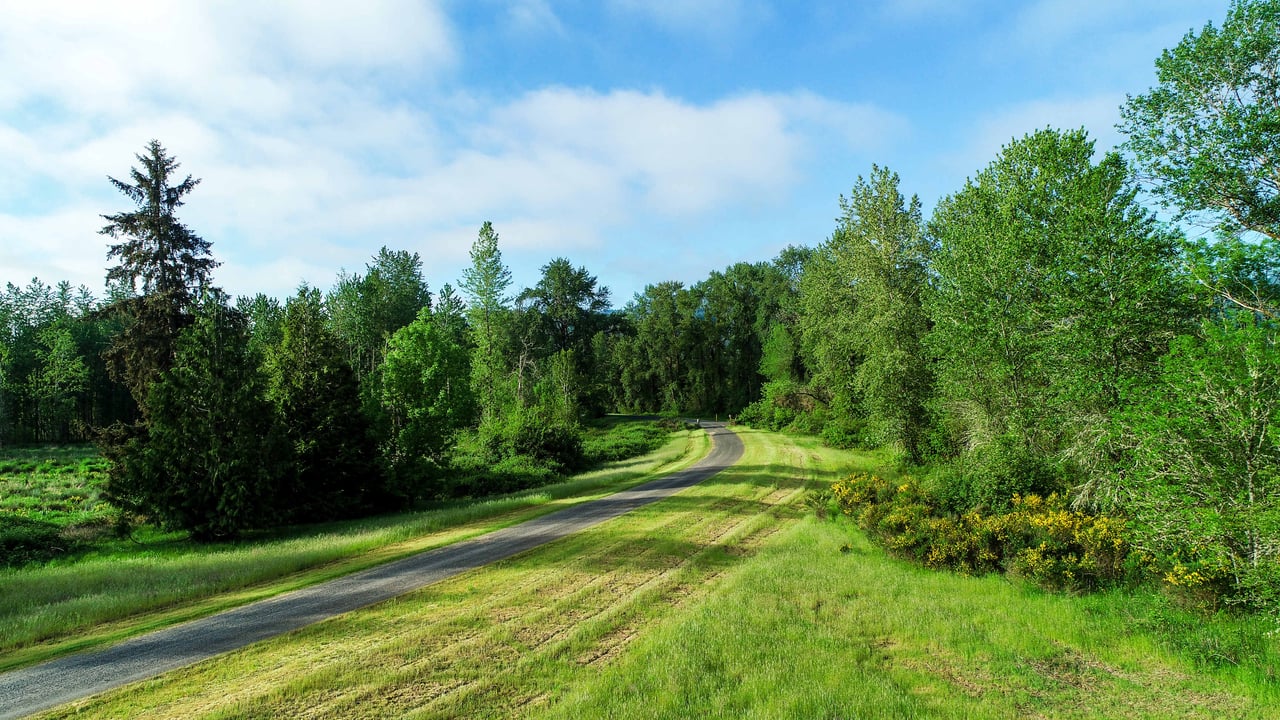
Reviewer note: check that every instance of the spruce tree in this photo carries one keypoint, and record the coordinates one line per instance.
(161, 259)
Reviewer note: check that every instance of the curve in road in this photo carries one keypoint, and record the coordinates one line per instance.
(40, 687)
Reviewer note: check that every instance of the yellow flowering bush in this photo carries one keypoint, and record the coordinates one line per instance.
(1039, 538)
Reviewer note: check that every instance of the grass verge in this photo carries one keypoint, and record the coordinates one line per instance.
(72, 605)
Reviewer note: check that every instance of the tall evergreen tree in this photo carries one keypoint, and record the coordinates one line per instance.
(209, 459)
(317, 398)
(163, 260)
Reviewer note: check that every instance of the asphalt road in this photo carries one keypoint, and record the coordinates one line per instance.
(29, 690)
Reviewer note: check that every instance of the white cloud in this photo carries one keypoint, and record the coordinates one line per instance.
(309, 165)
(55, 246)
(1050, 27)
(532, 17)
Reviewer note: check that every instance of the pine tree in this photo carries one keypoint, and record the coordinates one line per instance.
(159, 257)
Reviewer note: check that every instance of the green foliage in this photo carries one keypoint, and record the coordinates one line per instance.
(654, 363)
(317, 402)
(61, 380)
(1037, 538)
(827, 332)
(621, 441)
(427, 398)
(534, 433)
(209, 460)
(54, 385)
(1053, 289)
(25, 540)
(485, 285)
(1205, 439)
(881, 253)
(366, 310)
(1206, 134)
(989, 477)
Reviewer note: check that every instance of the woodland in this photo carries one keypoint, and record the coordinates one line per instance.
(1072, 360)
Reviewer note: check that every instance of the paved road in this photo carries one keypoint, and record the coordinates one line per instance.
(40, 687)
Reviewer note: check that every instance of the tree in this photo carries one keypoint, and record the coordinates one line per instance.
(827, 339)
(1205, 486)
(426, 395)
(1206, 140)
(317, 400)
(560, 316)
(569, 305)
(162, 258)
(57, 386)
(1052, 289)
(655, 363)
(366, 310)
(209, 460)
(485, 284)
(880, 248)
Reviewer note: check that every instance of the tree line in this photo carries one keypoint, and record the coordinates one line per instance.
(1043, 334)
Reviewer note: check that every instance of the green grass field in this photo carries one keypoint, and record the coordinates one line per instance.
(57, 484)
(733, 600)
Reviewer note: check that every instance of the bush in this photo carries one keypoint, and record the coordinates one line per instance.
(1038, 538)
(621, 442)
(537, 435)
(509, 474)
(25, 540)
(847, 433)
(990, 476)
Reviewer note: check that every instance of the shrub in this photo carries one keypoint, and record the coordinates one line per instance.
(1038, 538)
(24, 540)
(991, 475)
(537, 435)
(621, 442)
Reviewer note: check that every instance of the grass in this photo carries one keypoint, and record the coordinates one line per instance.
(123, 589)
(56, 484)
(498, 641)
(732, 600)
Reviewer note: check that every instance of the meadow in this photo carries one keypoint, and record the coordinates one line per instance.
(742, 597)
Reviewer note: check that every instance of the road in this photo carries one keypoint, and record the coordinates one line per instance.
(29, 690)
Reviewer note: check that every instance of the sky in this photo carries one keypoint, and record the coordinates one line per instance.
(646, 140)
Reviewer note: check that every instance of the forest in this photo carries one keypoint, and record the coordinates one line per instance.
(1074, 358)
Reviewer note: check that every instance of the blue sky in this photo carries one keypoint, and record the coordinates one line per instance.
(646, 140)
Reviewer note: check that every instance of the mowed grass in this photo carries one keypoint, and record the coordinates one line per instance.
(504, 640)
(74, 604)
(730, 600)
